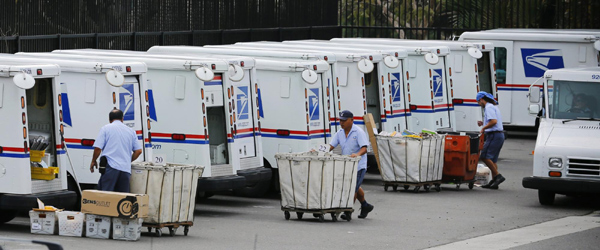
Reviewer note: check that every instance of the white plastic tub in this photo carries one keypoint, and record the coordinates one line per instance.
(70, 223)
(411, 160)
(317, 181)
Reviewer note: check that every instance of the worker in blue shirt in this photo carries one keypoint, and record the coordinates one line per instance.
(494, 136)
(354, 142)
(119, 144)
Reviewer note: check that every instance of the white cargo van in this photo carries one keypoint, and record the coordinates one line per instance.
(523, 57)
(566, 159)
(470, 66)
(429, 100)
(89, 91)
(31, 106)
(232, 155)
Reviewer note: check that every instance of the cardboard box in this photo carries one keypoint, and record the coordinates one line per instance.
(43, 221)
(97, 226)
(127, 229)
(114, 204)
(70, 223)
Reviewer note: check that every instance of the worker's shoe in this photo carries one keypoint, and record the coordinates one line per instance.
(499, 179)
(365, 210)
(489, 184)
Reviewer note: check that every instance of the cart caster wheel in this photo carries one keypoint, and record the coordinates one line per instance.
(406, 187)
(321, 217)
(172, 231)
(348, 216)
(385, 187)
(457, 186)
(158, 232)
(395, 188)
(316, 215)
(186, 230)
(417, 189)
(471, 185)
(333, 217)
(287, 215)
(426, 187)
(299, 215)
(149, 230)
(438, 187)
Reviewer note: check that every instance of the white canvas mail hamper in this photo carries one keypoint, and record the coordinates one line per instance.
(411, 160)
(317, 181)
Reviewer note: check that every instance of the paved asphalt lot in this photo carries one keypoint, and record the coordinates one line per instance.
(508, 218)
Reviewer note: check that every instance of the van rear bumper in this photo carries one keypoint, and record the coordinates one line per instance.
(59, 199)
(255, 175)
(220, 183)
(562, 185)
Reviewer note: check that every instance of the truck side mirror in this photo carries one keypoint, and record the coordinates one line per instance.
(534, 109)
(534, 94)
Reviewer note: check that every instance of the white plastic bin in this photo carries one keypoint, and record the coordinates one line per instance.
(127, 229)
(97, 226)
(317, 181)
(411, 160)
(70, 223)
(43, 222)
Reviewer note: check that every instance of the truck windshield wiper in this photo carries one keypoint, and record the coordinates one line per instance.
(581, 118)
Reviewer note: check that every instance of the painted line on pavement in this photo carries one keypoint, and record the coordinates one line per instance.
(526, 235)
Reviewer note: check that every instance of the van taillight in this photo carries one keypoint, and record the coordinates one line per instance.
(87, 142)
(314, 67)
(325, 58)
(128, 68)
(371, 58)
(396, 54)
(413, 107)
(482, 46)
(178, 137)
(457, 101)
(555, 174)
(283, 132)
(39, 72)
(213, 66)
(242, 63)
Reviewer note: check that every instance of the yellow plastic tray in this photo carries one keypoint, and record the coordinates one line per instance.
(44, 173)
(36, 155)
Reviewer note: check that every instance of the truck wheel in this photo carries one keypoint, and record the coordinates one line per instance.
(257, 190)
(7, 215)
(546, 197)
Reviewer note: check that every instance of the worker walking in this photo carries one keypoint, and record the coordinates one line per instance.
(354, 142)
(494, 136)
(119, 144)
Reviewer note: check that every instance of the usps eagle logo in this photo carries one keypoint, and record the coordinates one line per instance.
(313, 104)
(438, 86)
(242, 103)
(126, 102)
(396, 93)
(537, 61)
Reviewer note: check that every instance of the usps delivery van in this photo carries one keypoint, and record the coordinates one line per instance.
(88, 92)
(31, 107)
(471, 66)
(523, 57)
(566, 159)
(431, 107)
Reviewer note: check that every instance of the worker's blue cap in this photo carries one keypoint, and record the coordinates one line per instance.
(481, 94)
(346, 114)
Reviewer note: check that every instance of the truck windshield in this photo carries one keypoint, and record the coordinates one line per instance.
(573, 100)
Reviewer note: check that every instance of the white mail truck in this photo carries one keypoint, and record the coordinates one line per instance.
(31, 107)
(523, 57)
(471, 66)
(232, 155)
(88, 92)
(566, 159)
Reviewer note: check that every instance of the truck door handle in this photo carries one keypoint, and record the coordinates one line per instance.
(212, 98)
(245, 150)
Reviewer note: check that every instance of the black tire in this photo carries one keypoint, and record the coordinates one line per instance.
(7, 215)
(158, 232)
(438, 187)
(299, 215)
(406, 187)
(287, 215)
(172, 231)
(417, 189)
(348, 216)
(395, 188)
(149, 230)
(321, 218)
(186, 230)
(546, 197)
(385, 187)
(426, 187)
(471, 185)
(259, 189)
(334, 217)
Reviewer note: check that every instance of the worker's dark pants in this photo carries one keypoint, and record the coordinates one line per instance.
(114, 180)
